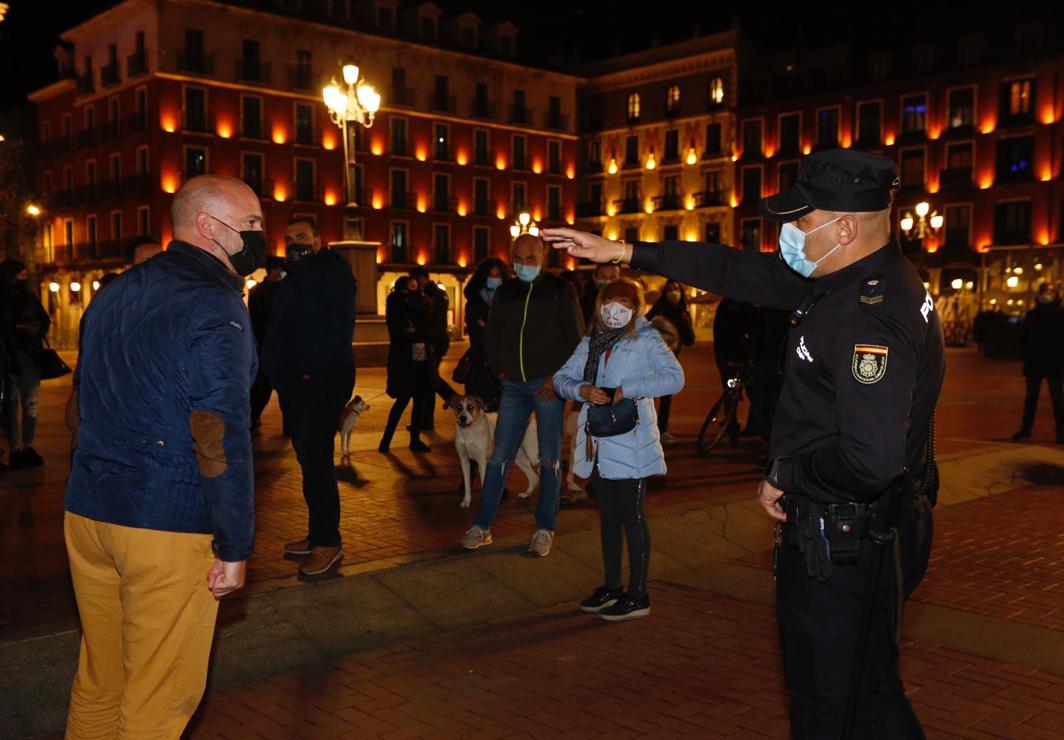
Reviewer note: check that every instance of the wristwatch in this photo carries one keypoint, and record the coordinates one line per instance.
(772, 475)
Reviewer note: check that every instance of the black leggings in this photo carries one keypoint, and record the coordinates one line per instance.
(621, 514)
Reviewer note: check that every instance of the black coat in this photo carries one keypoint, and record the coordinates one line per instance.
(407, 317)
(29, 322)
(312, 323)
(676, 315)
(260, 306)
(482, 381)
(1042, 341)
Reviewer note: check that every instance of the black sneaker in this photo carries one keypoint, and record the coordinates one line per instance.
(30, 458)
(418, 446)
(600, 599)
(1021, 435)
(627, 608)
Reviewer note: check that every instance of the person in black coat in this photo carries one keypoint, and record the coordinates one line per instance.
(410, 360)
(260, 306)
(27, 326)
(671, 307)
(1042, 351)
(310, 361)
(439, 336)
(479, 293)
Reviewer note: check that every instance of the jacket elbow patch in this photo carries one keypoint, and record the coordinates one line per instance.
(208, 435)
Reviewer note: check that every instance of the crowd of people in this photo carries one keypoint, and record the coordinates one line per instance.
(164, 404)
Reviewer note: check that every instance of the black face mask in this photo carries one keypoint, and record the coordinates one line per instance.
(296, 254)
(252, 256)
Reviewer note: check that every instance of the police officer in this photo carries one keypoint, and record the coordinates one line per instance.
(849, 453)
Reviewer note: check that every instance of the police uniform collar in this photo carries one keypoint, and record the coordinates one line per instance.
(874, 262)
(209, 262)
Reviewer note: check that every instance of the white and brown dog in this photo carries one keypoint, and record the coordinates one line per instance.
(354, 409)
(474, 437)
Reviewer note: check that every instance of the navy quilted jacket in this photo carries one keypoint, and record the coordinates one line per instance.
(168, 338)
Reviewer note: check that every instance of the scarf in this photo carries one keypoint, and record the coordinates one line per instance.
(600, 343)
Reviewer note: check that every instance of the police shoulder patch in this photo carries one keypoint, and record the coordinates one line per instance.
(872, 290)
(869, 363)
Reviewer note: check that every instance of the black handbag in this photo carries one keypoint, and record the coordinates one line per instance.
(462, 370)
(50, 365)
(611, 420)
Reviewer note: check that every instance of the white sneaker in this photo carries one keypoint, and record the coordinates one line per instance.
(476, 537)
(668, 439)
(541, 542)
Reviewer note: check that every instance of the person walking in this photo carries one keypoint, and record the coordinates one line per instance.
(407, 313)
(623, 357)
(28, 327)
(1042, 351)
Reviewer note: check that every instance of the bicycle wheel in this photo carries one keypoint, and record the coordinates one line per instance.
(716, 424)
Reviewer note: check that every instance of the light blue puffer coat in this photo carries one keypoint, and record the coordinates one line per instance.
(645, 368)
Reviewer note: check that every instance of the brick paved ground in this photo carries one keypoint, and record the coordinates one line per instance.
(702, 665)
(404, 506)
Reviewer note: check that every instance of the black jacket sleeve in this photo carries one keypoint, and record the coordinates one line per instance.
(750, 277)
(570, 320)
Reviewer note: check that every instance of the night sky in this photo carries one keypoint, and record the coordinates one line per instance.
(596, 28)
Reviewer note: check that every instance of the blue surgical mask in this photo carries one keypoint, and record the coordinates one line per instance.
(527, 273)
(493, 283)
(792, 248)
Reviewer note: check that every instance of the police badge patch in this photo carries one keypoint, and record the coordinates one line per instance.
(869, 363)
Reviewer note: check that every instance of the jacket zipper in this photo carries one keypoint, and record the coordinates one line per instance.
(521, 344)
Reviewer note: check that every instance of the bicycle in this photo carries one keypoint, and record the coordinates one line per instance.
(722, 416)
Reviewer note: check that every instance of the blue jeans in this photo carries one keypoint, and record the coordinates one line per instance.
(25, 395)
(515, 407)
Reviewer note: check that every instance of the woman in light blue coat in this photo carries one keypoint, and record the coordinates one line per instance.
(623, 356)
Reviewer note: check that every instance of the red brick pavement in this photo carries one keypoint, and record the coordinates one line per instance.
(404, 506)
(702, 665)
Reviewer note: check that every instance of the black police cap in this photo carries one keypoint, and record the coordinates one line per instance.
(841, 180)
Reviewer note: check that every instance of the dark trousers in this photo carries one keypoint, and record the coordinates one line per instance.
(1030, 401)
(421, 394)
(260, 395)
(821, 628)
(442, 389)
(664, 408)
(622, 516)
(312, 411)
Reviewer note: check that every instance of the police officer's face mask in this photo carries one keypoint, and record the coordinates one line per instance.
(253, 254)
(792, 248)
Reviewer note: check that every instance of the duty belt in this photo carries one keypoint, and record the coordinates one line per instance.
(828, 534)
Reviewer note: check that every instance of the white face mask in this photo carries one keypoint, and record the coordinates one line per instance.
(792, 248)
(615, 315)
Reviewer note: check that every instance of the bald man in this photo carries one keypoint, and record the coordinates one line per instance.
(160, 515)
(852, 471)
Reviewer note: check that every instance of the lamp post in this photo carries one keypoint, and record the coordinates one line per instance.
(925, 222)
(356, 102)
(524, 225)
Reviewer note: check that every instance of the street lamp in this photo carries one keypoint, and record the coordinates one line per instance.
(920, 226)
(33, 210)
(524, 225)
(356, 102)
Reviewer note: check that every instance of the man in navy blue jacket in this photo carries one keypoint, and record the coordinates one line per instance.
(309, 360)
(160, 503)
